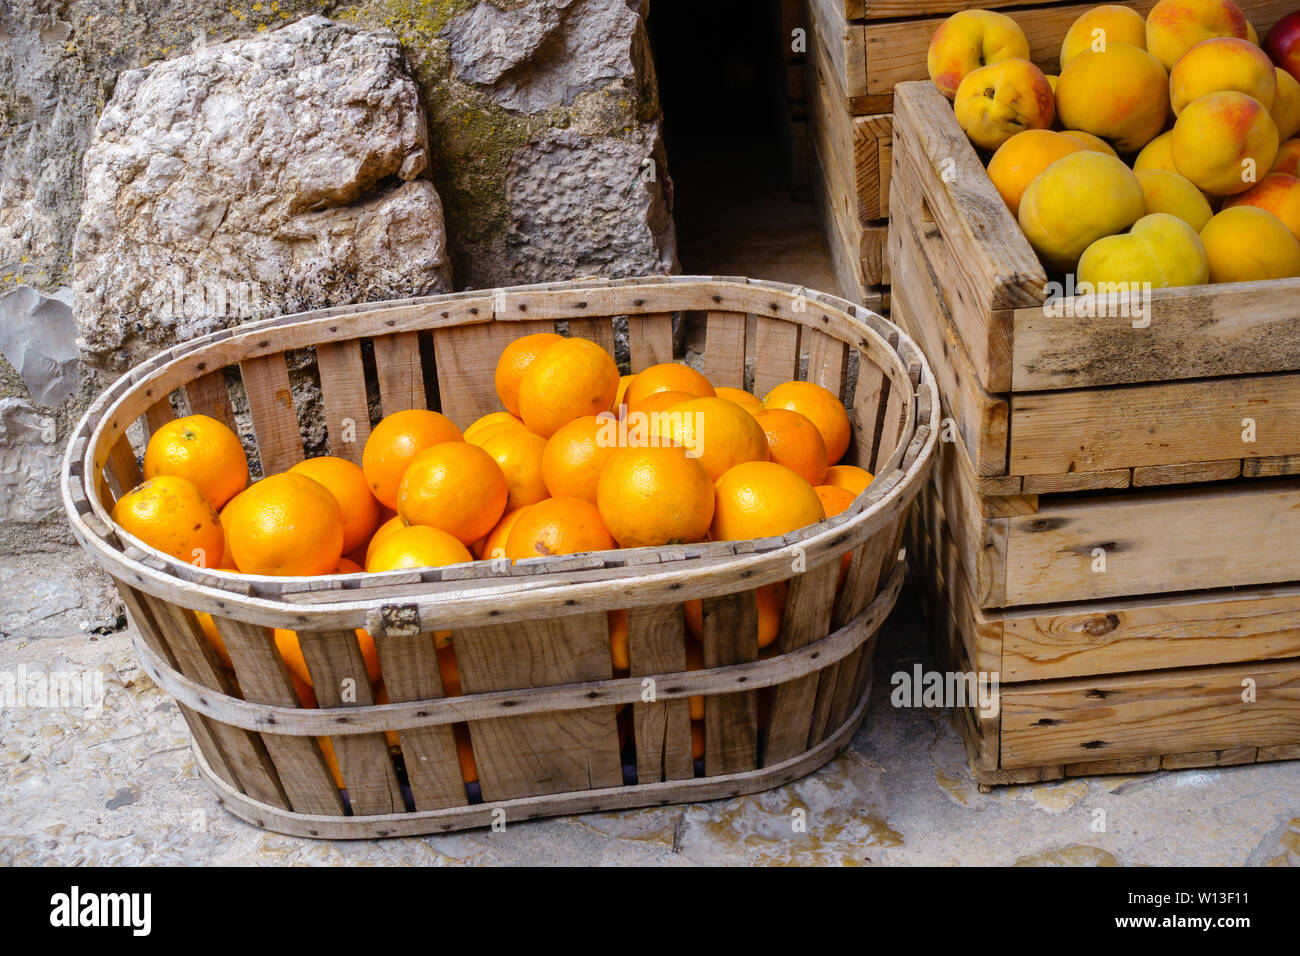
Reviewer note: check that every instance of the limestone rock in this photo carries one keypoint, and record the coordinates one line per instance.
(29, 464)
(251, 178)
(39, 338)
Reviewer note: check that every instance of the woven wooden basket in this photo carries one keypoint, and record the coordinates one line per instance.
(540, 696)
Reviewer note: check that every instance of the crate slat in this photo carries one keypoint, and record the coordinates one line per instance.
(724, 349)
(270, 402)
(776, 354)
(467, 358)
(209, 395)
(400, 372)
(655, 638)
(730, 720)
(650, 339)
(343, 393)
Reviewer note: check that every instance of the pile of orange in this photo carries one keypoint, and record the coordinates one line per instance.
(581, 459)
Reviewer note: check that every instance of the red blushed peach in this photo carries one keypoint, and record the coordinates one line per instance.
(1224, 142)
(1288, 158)
(1120, 94)
(970, 39)
(1223, 63)
(1108, 23)
(1276, 192)
(996, 102)
(1175, 26)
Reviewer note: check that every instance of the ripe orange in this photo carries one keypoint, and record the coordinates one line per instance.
(227, 559)
(454, 486)
(209, 628)
(492, 419)
(655, 496)
(668, 377)
(286, 524)
(290, 648)
(761, 499)
(381, 697)
(821, 407)
(465, 751)
(697, 736)
(395, 442)
(793, 441)
(620, 397)
(575, 455)
(494, 544)
(770, 602)
(393, 524)
(835, 500)
(481, 435)
(348, 566)
(519, 452)
(171, 514)
(618, 655)
(738, 395)
(695, 662)
(558, 526)
(659, 402)
(718, 433)
(203, 450)
(849, 477)
(449, 671)
(514, 363)
(418, 546)
(347, 483)
(569, 379)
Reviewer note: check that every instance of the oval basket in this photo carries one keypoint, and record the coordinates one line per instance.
(541, 702)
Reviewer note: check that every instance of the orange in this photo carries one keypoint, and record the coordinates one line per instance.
(491, 419)
(659, 402)
(835, 500)
(171, 514)
(618, 642)
(449, 671)
(850, 477)
(286, 524)
(331, 759)
(393, 524)
(576, 454)
(348, 566)
(465, 751)
(214, 637)
(719, 433)
(558, 526)
(227, 560)
(481, 435)
(569, 379)
(655, 496)
(395, 442)
(620, 397)
(381, 697)
(418, 546)
(203, 450)
(347, 483)
(695, 662)
(770, 602)
(737, 395)
(668, 377)
(519, 455)
(793, 441)
(290, 648)
(697, 737)
(761, 499)
(454, 486)
(494, 543)
(515, 360)
(819, 406)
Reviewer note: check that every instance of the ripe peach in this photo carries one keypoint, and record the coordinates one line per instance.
(995, 102)
(1156, 154)
(1094, 143)
(1223, 142)
(1160, 249)
(1288, 158)
(1108, 23)
(1279, 193)
(970, 39)
(1175, 26)
(1222, 63)
(1023, 157)
(1286, 105)
(1174, 194)
(1246, 243)
(1077, 200)
(1121, 94)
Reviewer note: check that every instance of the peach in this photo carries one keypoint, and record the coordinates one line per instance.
(1286, 105)
(1077, 200)
(1160, 249)
(1175, 26)
(1223, 142)
(995, 102)
(1094, 143)
(1223, 63)
(1288, 158)
(1108, 23)
(1246, 243)
(970, 39)
(1279, 193)
(1251, 35)
(1023, 157)
(1176, 195)
(1120, 94)
(1156, 154)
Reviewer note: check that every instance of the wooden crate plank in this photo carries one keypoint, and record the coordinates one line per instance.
(1271, 467)
(730, 720)
(776, 353)
(462, 353)
(209, 395)
(1077, 481)
(650, 339)
(656, 645)
(599, 330)
(343, 393)
(827, 357)
(1149, 476)
(401, 375)
(1210, 758)
(270, 402)
(724, 349)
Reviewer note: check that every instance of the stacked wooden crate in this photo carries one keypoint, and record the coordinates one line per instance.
(1113, 526)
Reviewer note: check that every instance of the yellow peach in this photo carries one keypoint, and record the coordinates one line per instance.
(1120, 94)
(1279, 193)
(1108, 23)
(1223, 142)
(995, 102)
(1246, 243)
(1288, 158)
(968, 40)
(1251, 35)
(1160, 250)
(1176, 195)
(1222, 63)
(1094, 143)
(1175, 26)
(1023, 157)
(1077, 200)
(1156, 154)
(1286, 105)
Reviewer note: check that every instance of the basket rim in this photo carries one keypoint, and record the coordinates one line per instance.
(460, 595)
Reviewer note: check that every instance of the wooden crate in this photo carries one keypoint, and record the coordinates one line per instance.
(531, 639)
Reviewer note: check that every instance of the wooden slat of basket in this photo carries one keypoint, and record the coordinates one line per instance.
(264, 678)
(776, 354)
(656, 645)
(827, 357)
(270, 402)
(544, 753)
(870, 395)
(401, 376)
(650, 339)
(724, 349)
(598, 330)
(343, 393)
(339, 679)
(123, 467)
(158, 415)
(209, 396)
(410, 669)
(730, 720)
(807, 618)
(463, 353)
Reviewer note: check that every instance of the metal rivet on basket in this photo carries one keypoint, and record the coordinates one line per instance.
(399, 620)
